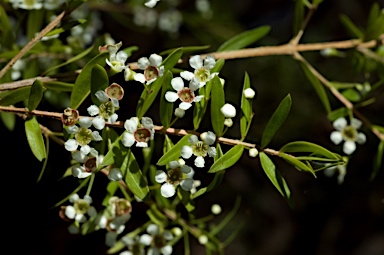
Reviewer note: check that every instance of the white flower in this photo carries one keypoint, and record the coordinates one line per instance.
(152, 69)
(253, 152)
(151, 3)
(27, 4)
(200, 148)
(105, 111)
(177, 174)
(202, 72)
(185, 94)
(249, 93)
(83, 136)
(116, 58)
(90, 166)
(135, 247)
(228, 110)
(157, 240)
(139, 133)
(348, 133)
(80, 208)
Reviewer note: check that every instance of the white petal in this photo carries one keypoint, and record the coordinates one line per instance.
(199, 161)
(151, 3)
(155, 60)
(115, 174)
(143, 63)
(194, 84)
(356, 123)
(70, 212)
(209, 62)
(166, 250)
(91, 211)
(336, 137)
(167, 190)
(102, 96)
(79, 157)
(73, 229)
(174, 164)
(361, 138)
(98, 122)
(187, 75)
(74, 197)
(121, 57)
(340, 123)
(71, 145)
(110, 238)
(147, 122)
(228, 110)
(160, 176)
(86, 149)
(115, 102)
(177, 83)
(80, 218)
(196, 62)
(349, 147)
(186, 151)
(187, 184)
(73, 129)
(93, 110)
(131, 124)
(88, 199)
(139, 77)
(79, 172)
(212, 151)
(208, 137)
(142, 144)
(128, 139)
(185, 106)
(193, 139)
(198, 98)
(146, 239)
(96, 136)
(152, 229)
(113, 118)
(85, 122)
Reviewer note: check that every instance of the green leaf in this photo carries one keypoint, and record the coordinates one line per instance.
(338, 113)
(58, 86)
(185, 197)
(228, 159)
(246, 108)
(296, 163)
(133, 176)
(116, 151)
(65, 26)
(166, 108)
(8, 119)
(217, 101)
(374, 14)
(99, 81)
(148, 96)
(275, 177)
(301, 146)
(71, 60)
(111, 190)
(244, 39)
(215, 183)
(35, 138)
(319, 88)
(34, 22)
(352, 95)
(174, 152)
(35, 95)
(156, 216)
(299, 16)
(375, 28)
(352, 28)
(82, 86)
(378, 160)
(276, 120)
(7, 38)
(172, 59)
(15, 96)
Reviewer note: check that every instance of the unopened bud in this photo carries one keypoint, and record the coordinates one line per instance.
(216, 209)
(228, 122)
(179, 112)
(115, 174)
(228, 110)
(249, 93)
(203, 239)
(253, 152)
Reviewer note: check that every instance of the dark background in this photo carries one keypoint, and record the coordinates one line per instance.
(327, 218)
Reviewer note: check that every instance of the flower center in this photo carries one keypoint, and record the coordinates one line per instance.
(175, 176)
(142, 135)
(90, 165)
(123, 206)
(106, 109)
(202, 74)
(186, 95)
(349, 133)
(200, 149)
(115, 91)
(81, 206)
(151, 73)
(84, 136)
(158, 241)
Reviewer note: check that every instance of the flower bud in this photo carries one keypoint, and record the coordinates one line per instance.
(249, 93)
(253, 152)
(115, 174)
(216, 209)
(228, 110)
(203, 239)
(228, 122)
(179, 112)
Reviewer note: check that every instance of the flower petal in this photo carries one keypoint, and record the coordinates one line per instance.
(155, 60)
(187, 75)
(160, 176)
(143, 63)
(340, 123)
(199, 161)
(349, 147)
(196, 62)
(131, 124)
(98, 122)
(102, 96)
(208, 137)
(71, 145)
(167, 190)
(70, 212)
(177, 83)
(187, 184)
(186, 151)
(336, 137)
(139, 77)
(361, 138)
(128, 139)
(93, 110)
(185, 106)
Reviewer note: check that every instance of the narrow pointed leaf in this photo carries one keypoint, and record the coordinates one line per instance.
(274, 176)
(8, 119)
(82, 86)
(301, 146)
(217, 101)
(276, 120)
(351, 27)
(148, 96)
(166, 108)
(15, 96)
(335, 114)
(352, 95)
(174, 152)
(299, 16)
(58, 86)
(35, 95)
(215, 183)
(244, 39)
(296, 163)
(99, 81)
(246, 108)
(157, 216)
(172, 59)
(35, 138)
(185, 197)
(228, 159)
